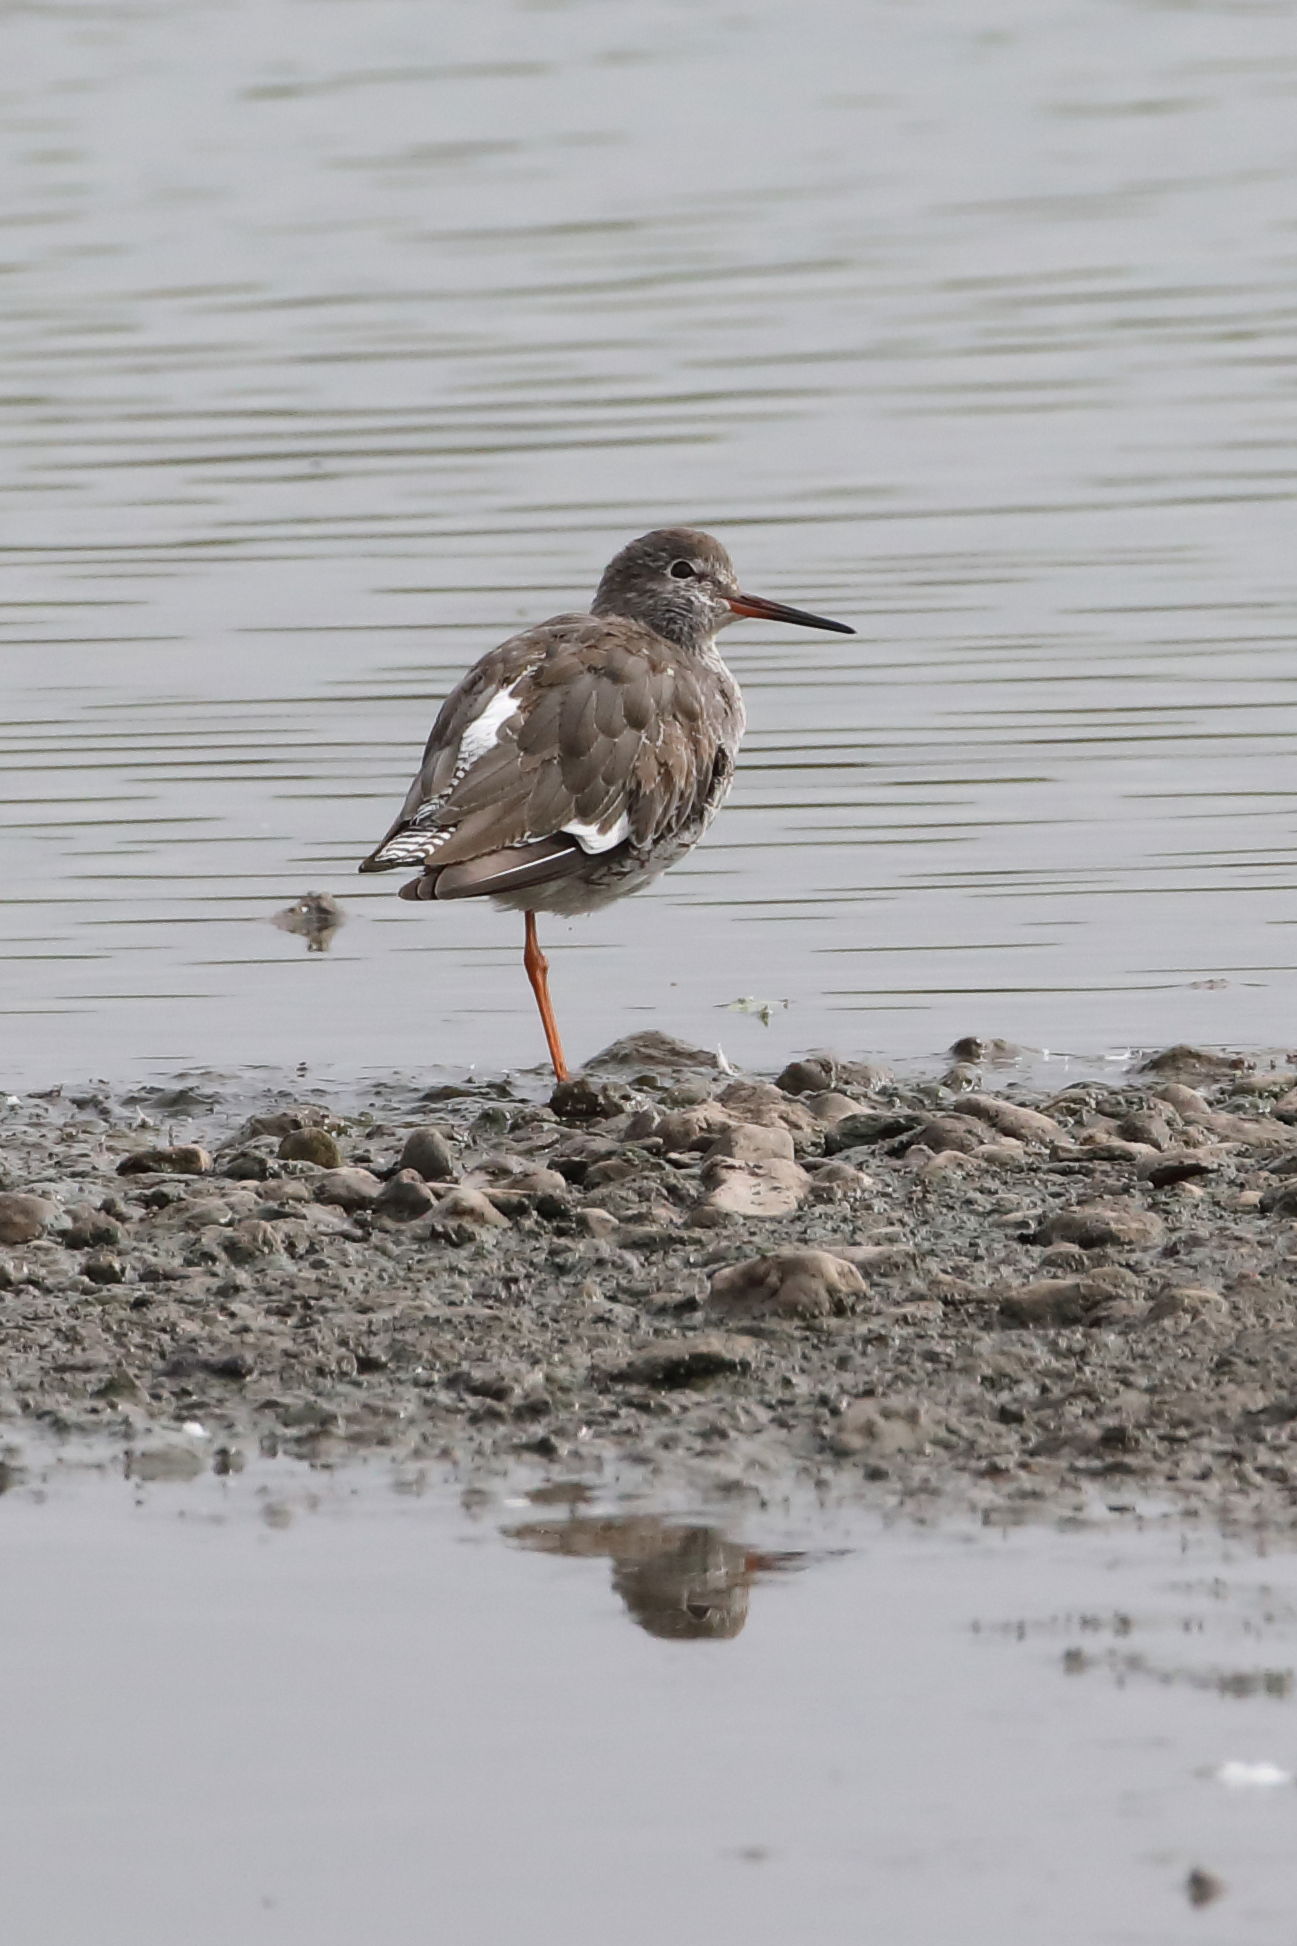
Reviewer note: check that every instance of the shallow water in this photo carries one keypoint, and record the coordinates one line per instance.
(287, 1706)
(339, 340)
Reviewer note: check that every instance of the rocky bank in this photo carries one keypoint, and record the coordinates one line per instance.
(931, 1285)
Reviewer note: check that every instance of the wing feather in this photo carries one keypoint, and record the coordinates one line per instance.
(609, 726)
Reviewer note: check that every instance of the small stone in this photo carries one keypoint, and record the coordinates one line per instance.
(247, 1165)
(349, 1189)
(186, 1160)
(311, 1145)
(829, 1109)
(1164, 1171)
(773, 1188)
(835, 1180)
(1187, 1063)
(876, 1259)
(104, 1268)
(1149, 1126)
(670, 1362)
(1062, 1259)
(811, 1076)
(579, 1100)
(882, 1429)
(405, 1196)
(88, 1230)
(122, 1388)
(984, 1053)
(763, 1103)
(1059, 1301)
(428, 1154)
(1096, 1226)
(870, 1125)
(657, 1055)
(688, 1129)
(597, 1222)
(24, 1218)
(249, 1239)
(1006, 1154)
(750, 1142)
(471, 1207)
(946, 1133)
(1189, 1303)
(787, 1283)
(1023, 1124)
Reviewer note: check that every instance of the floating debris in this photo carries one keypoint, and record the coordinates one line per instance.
(316, 916)
(764, 1010)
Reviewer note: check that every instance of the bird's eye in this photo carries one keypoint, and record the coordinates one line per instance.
(683, 571)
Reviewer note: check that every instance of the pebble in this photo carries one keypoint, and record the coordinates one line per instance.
(24, 1218)
(753, 1142)
(1070, 1300)
(348, 1189)
(186, 1160)
(404, 1196)
(787, 1283)
(1095, 1226)
(670, 1362)
(470, 1209)
(311, 1145)
(428, 1153)
(881, 1429)
(1010, 1118)
(773, 1188)
(762, 1102)
(1194, 1063)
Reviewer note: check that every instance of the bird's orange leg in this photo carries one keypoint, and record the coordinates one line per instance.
(538, 973)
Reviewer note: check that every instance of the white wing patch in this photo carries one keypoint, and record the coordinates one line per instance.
(592, 840)
(483, 733)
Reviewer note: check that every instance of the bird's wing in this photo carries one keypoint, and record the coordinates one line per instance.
(589, 734)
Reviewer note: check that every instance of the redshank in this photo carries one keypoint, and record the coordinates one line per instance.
(581, 758)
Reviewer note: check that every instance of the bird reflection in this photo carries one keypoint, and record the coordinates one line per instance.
(683, 1583)
(316, 916)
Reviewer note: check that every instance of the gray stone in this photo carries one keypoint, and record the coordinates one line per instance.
(405, 1196)
(185, 1160)
(349, 1189)
(879, 1429)
(311, 1145)
(24, 1218)
(751, 1142)
(787, 1283)
(773, 1188)
(671, 1362)
(429, 1155)
(1096, 1226)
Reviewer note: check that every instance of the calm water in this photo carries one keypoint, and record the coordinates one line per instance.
(341, 337)
(296, 1709)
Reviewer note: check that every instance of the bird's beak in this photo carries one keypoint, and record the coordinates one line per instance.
(775, 611)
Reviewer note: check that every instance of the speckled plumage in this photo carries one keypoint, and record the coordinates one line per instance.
(581, 758)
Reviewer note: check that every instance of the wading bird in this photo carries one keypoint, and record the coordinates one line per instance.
(583, 757)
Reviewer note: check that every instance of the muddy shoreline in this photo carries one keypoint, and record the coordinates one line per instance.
(947, 1285)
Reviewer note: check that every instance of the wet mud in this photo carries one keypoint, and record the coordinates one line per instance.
(952, 1285)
